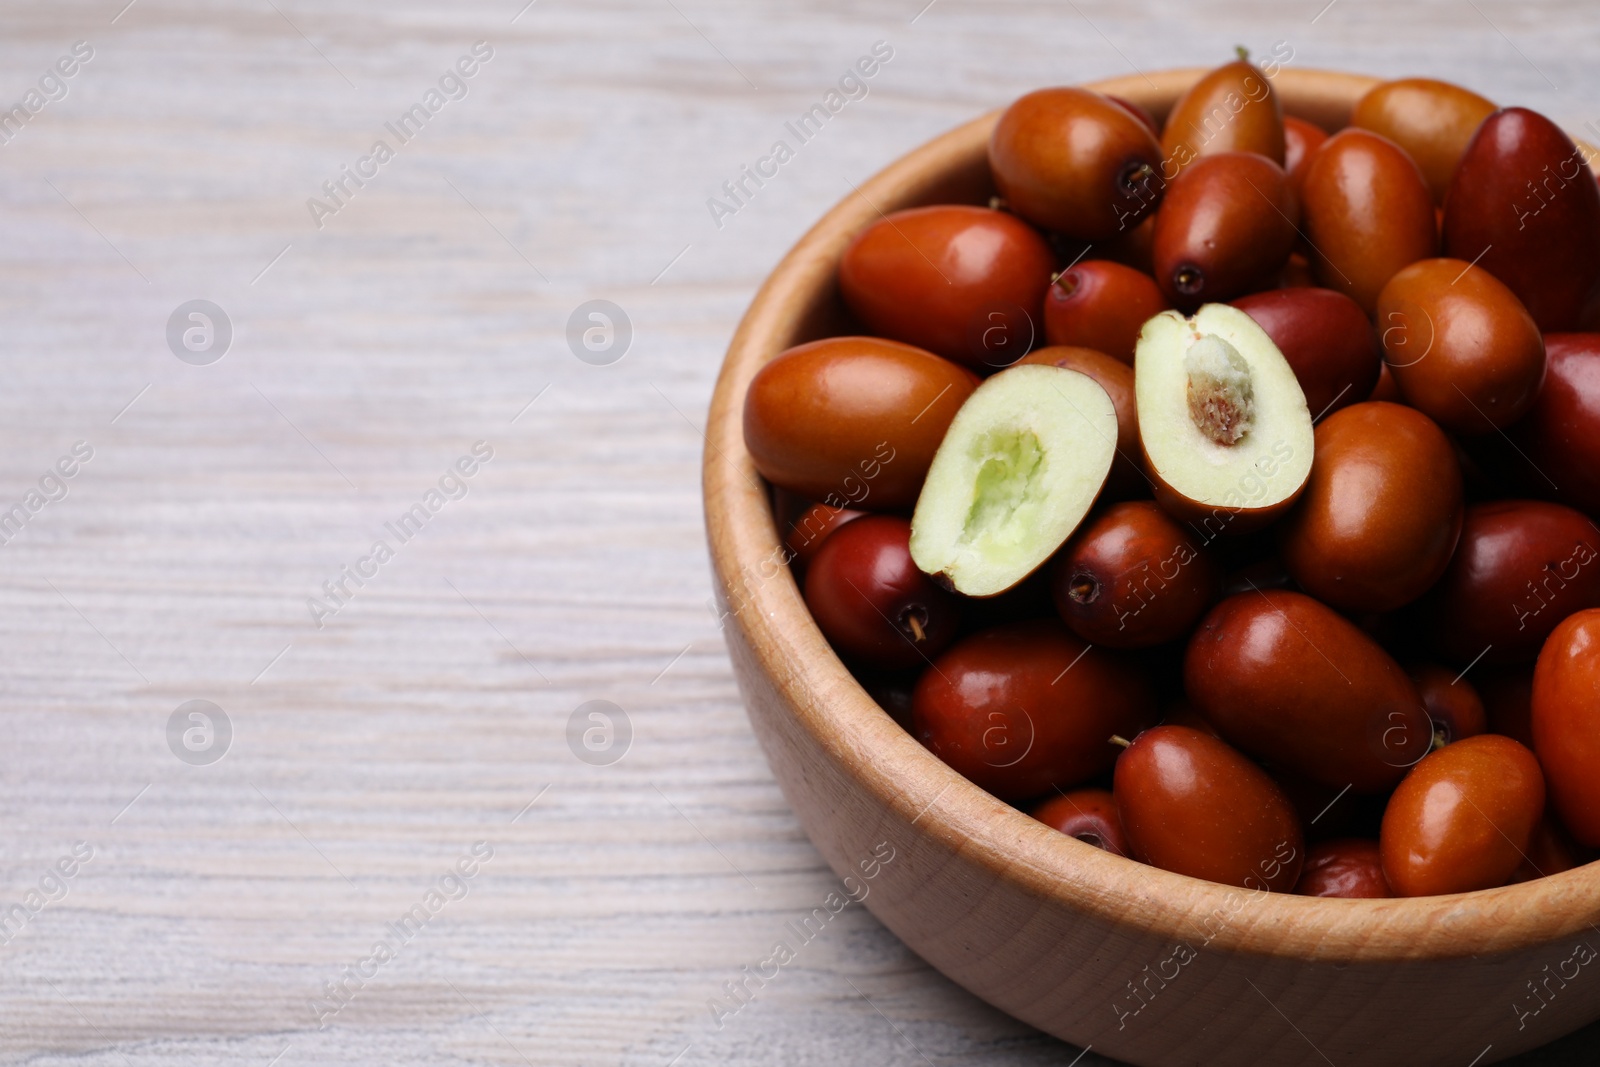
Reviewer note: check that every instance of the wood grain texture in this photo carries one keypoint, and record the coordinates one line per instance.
(424, 316)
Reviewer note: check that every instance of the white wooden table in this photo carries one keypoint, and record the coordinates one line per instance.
(430, 711)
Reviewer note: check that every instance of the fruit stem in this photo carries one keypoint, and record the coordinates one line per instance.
(1244, 53)
(916, 628)
(1120, 741)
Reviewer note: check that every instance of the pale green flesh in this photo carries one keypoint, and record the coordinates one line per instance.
(1008, 493)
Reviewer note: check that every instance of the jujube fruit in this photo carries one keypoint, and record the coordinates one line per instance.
(872, 603)
(1027, 706)
(1524, 206)
(1230, 109)
(1132, 578)
(1090, 815)
(1566, 722)
(1074, 161)
(1452, 702)
(1380, 516)
(1521, 567)
(1366, 214)
(852, 421)
(965, 283)
(1560, 435)
(1461, 346)
(1349, 867)
(1291, 682)
(1099, 304)
(1462, 818)
(1226, 226)
(1192, 804)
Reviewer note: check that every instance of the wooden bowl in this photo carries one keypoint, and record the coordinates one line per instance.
(1146, 966)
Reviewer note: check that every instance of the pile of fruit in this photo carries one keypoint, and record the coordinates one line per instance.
(1271, 561)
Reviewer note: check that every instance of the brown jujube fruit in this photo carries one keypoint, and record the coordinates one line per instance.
(1300, 140)
(1349, 867)
(1226, 227)
(1231, 109)
(1559, 437)
(966, 283)
(1132, 578)
(852, 421)
(1327, 339)
(1366, 213)
(872, 603)
(1101, 305)
(1191, 804)
(1566, 722)
(1461, 347)
(1090, 815)
(1075, 161)
(1432, 120)
(1005, 711)
(1381, 512)
(1525, 206)
(1462, 818)
(1520, 568)
(1452, 702)
(1291, 682)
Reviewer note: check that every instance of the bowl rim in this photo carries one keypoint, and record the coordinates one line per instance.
(908, 780)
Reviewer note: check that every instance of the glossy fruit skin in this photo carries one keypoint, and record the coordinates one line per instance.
(812, 527)
(1462, 818)
(1521, 567)
(1432, 120)
(1300, 140)
(1452, 702)
(1101, 305)
(1131, 577)
(966, 283)
(1074, 161)
(863, 589)
(1560, 435)
(1293, 683)
(1381, 513)
(1461, 346)
(1348, 867)
(1226, 227)
(1090, 815)
(1231, 109)
(1566, 722)
(1116, 378)
(1366, 212)
(852, 421)
(1190, 803)
(1327, 339)
(991, 712)
(1525, 200)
